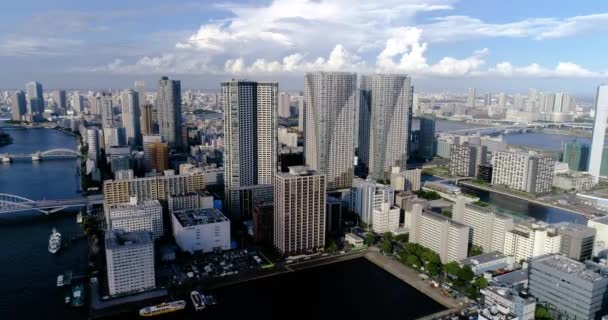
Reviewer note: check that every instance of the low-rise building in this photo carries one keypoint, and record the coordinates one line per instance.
(600, 247)
(574, 181)
(503, 303)
(203, 230)
(353, 239)
(488, 262)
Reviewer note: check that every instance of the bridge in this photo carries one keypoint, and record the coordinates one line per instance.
(500, 126)
(11, 203)
(60, 153)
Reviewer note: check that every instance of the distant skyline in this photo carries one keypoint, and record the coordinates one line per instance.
(444, 44)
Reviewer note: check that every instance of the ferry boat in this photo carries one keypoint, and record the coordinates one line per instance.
(60, 280)
(54, 241)
(197, 300)
(162, 308)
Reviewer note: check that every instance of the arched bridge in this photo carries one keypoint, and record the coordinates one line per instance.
(60, 153)
(12, 203)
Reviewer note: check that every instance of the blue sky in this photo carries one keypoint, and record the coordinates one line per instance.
(446, 45)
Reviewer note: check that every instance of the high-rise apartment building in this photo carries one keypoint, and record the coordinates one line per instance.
(59, 97)
(522, 171)
(93, 144)
(531, 240)
(137, 216)
(114, 136)
(329, 103)
(129, 261)
(106, 109)
(407, 180)
(426, 147)
(569, 289)
(384, 123)
(140, 90)
(299, 211)
(35, 99)
(599, 131)
(284, 105)
(465, 159)
(471, 98)
(18, 105)
(147, 120)
(301, 114)
(156, 153)
(386, 218)
(129, 100)
(169, 109)
(367, 196)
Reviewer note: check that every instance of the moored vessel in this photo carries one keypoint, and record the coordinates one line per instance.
(197, 300)
(165, 307)
(54, 241)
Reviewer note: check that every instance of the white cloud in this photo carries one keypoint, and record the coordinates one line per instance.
(561, 70)
(37, 46)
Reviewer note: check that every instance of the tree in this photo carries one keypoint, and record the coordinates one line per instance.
(370, 239)
(542, 313)
(412, 261)
(466, 274)
(402, 238)
(332, 246)
(447, 213)
(475, 250)
(472, 292)
(387, 244)
(480, 283)
(451, 268)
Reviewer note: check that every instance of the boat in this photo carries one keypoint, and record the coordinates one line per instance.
(197, 300)
(67, 299)
(60, 280)
(77, 295)
(162, 308)
(54, 241)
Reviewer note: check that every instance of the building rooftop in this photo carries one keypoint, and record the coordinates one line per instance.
(483, 258)
(117, 239)
(301, 171)
(194, 217)
(132, 205)
(602, 220)
(439, 217)
(569, 266)
(512, 278)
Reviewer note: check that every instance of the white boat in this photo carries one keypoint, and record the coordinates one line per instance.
(197, 300)
(60, 280)
(162, 308)
(54, 241)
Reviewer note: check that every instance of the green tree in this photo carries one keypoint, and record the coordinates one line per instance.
(402, 238)
(466, 274)
(331, 246)
(542, 313)
(472, 292)
(451, 268)
(387, 243)
(370, 238)
(475, 250)
(412, 261)
(480, 283)
(447, 213)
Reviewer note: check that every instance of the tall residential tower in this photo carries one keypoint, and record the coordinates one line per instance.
(599, 131)
(169, 108)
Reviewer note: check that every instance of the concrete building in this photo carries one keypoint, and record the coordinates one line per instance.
(408, 180)
(488, 228)
(465, 158)
(284, 105)
(129, 261)
(521, 171)
(368, 195)
(250, 124)
(60, 99)
(301, 113)
(574, 181)
(500, 303)
(114, 136)
(93, 144)
(577, 240)
(329, 104)
(448, 238)
(384, 123)
(568, 288)
(484, 172)
(471, 98)
(576, 155)
(289, 139)
(35, 98)
(18, 105)
(137, 216)
(488, 262)
(129, 100)
(199, 199)
(243, 200)
(601, 236)
(169, 110)
(147, 119)
(263, 223)
(156, 153)
(106, 108)
(531, 240)
(203, 230)
(385, 219)
(426, 148)
(299, 211)
(599, 131)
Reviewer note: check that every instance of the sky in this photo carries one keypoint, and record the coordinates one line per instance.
(445, 45)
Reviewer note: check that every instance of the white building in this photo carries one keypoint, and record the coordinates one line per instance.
(599, 131)
(284, 105)
(522, 171)
(201, 230)
(574, 181)
(385, 219)
(134, 216)
(289, 139)
(528, 241)
(130, 261)
(601, 236)
(408, 180)
(367, 195)
(499, 303)
(189, 201)
(448, 238)
(93, 143)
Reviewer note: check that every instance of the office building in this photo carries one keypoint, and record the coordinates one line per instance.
(465, 158)
(407, 180)
(577, 240)
(136, 216)
(329, 103)
(169, 111)
(77, 103)
(156, 153)
(529, 240)
(471, 98)
(250, 124)
(506, 303)
(151, 188)
(568, 288)
(333, 214)
(241, 201)
(147, 120)
(129, 261)
(576, 155)
(384, 123)
(299, 211)
(60, 99)
(263, 223)
(599, 131)
(488, 228)
(385, 219)
(284, 105)
(106, 108)
(18, 105)
(114, 136)
(130, 116)
(93, 144)
(448, 238)
(199, 199)
(426, 147)
(35, 99)
(203, 230)
(600, 248)
(367, 196)
(521, 171)
(140, 90)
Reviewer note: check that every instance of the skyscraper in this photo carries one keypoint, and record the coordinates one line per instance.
(18, 105)
(60, 99)
(299, 211)
(599, 131)
(426, 148)
(329, 103)
(576, 155)
(140, 89)
(384, 112)
(471, 98)
(147, 121)
(93, 144)
(156, 153)
(130, 116)
(77, 103)
(169, 108)
(300, 113)
(107, 113)
(35, 99)
(284, 105)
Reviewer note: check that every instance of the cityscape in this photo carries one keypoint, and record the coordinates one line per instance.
(235, 175)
